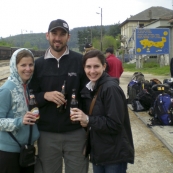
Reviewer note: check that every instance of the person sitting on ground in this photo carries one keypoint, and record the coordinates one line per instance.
(115, 68)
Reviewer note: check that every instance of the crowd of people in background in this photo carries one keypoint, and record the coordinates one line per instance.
(99, 124)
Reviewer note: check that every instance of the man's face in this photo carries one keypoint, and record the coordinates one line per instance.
(58, 39)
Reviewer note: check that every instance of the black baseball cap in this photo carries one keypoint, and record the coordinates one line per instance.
(109, 50)
(88, 45)
(59, 23)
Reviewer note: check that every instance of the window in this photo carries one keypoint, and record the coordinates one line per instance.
(141, 25)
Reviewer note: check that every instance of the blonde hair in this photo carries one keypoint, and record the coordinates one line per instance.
(88, 49)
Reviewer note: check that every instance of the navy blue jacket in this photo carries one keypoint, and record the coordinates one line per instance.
(110, 132)
(49, 77)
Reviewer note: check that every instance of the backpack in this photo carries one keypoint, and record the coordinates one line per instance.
(157, 89)
(145, 99)
(146, 85)
(169, 82)
(134, 86)
(154, 81)
(136, 105)
(163, 110)
(138, 76)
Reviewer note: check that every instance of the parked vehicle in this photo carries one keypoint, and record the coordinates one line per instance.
(6, 52)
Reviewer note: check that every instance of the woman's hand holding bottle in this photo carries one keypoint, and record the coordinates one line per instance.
(78, 115)
(29, 118)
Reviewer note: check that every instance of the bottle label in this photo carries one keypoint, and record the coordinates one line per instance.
(35, 111)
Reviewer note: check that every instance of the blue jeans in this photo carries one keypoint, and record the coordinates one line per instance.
(115, 168)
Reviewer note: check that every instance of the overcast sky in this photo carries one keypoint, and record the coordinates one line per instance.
(25, 16)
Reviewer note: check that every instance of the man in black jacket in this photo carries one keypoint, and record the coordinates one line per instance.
(59, 138)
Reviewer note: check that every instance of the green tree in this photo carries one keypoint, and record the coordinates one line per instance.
(5, 43)
(88, 35)
(114, 30)
(107, 41)
(35, 48)
(27, 44)
(81, 40)
(96, 43)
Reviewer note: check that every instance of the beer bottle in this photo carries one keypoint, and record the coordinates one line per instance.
(74, 103)
(33, 106)
(62, 108)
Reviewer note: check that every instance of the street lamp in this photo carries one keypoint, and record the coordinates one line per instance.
(100, 29)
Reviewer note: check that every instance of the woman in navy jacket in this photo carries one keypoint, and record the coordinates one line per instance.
(109, 125)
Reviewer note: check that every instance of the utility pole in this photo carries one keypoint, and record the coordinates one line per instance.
(91, 34)
(22, 37)
(100, 29)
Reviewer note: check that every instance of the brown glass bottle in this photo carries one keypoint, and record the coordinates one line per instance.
(74, 103)
(33, 106)
(62, 108)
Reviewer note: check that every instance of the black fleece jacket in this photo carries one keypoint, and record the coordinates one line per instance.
(49, 77)
(110, 132)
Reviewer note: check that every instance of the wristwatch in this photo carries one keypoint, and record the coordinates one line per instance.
(87, 119)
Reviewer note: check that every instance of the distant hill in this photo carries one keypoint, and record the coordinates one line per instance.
(38, 40)
(30, 40)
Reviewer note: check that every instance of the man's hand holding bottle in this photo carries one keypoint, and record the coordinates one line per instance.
(56, 97)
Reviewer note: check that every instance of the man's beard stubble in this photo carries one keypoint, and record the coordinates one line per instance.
(60, 49)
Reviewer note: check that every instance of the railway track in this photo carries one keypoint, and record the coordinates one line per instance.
(2, 80)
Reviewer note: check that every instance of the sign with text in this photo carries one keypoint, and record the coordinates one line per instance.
(152, 41)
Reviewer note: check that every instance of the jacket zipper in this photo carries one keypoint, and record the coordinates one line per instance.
(58, 63)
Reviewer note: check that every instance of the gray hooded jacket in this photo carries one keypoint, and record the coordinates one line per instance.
(13, 107)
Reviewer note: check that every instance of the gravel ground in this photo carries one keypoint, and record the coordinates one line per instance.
(151, 155)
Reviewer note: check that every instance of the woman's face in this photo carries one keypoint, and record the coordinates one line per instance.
(25, 68)
(94, 68)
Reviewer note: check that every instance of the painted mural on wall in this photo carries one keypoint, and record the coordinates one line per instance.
(152, 41)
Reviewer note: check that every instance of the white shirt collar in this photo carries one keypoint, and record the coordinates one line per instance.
(48, 54)
(90, 85)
